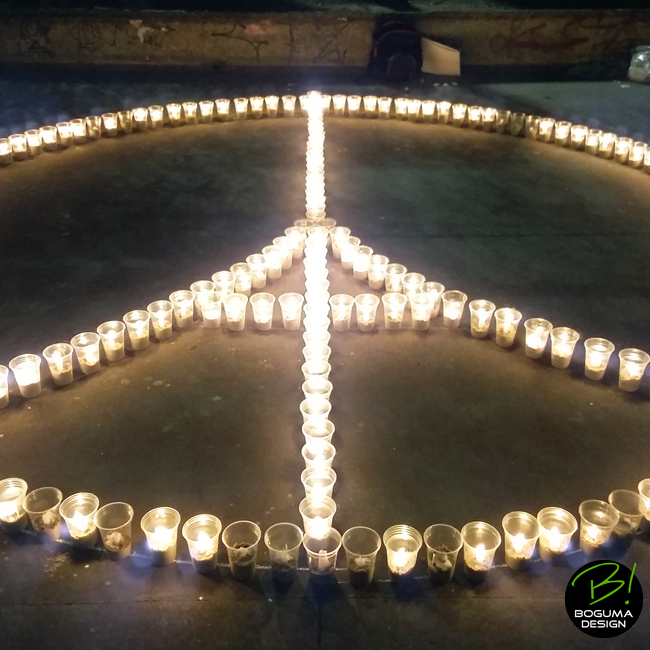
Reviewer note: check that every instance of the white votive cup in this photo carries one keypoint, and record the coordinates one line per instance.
(537, 332)
(27, 373)
(507, 321)
(42, 506)
(480, 317)
(160, 527)
(521, 532)
(114, 522)
(234, 305)
(183, 303)
(597, 354)
(341, 305)
(86, 347)
(291, 306)
(78, 511)
(453, 304)
(112, 335)
(201, 533)
(137, 327)
(393, 275)
(402, 544)
(563, 343)
(556, 528)
(59, 361)
(161, 312)
(480, 542)
(394, 306)
(262, 305)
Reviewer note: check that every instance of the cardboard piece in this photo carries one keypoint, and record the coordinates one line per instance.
(440, 59)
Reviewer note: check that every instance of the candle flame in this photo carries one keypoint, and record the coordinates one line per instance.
(480, 553)
(518, 542)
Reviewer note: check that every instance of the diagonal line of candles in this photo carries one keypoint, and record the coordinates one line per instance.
(553, 528)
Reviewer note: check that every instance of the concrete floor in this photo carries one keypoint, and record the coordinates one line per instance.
(434, 427)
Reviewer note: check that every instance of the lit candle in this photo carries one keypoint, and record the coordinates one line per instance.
(137, 326)
(606, 145)
(110, 124)
(443, 111)
(420, 311)
(622, 149)
(322, 552)
(271, 102)
(592, 141)
(411, 283)
(393, 276)
(4, 387)
(112, 335)
(94, 125)
(428, 109)
(42, 506)
(316, 387)
(257, 106)
(521, 532)
(578, 136)
(349, 250)
(315, 409)
(480, 542)
(546, 128)
(597, 521)
(289, 105)
(114, 524)
(291, 306)
(223, 109)
(241, 107)
(370, 105)
(262, 304)
(502, 121)
(274, 259)
(285, 248)
(241, 540)
(78, 127)
(235, 307)
(243, 275)
(354, 105)
(633, 363)
(190, 112)
(637, 155)
(597, 354)
(339, 236)
(78, 511)
(174, 114)
(317, 515)
(202, 290)
(49, 137)
(59, 360)
(361, 262)
(413, 109)
(474, 117)
(258, 270)
(537, 333)
(644, 491)
(316, 352)
(160, 526)
(27, 373)
(202, 535)
(320, 456)
(481, 312)
(140, 117)
(488, 118)
(453, 304)
(12, 513)
(86, 347)
(211, 309)
(377, 271)
(458, 114)
(563, 342)
(35, 143)
(532, 127)
(156, 114)
(517, 123)
(507, 321)
(556, 527)
(161, 318)
(206, 109)
(6, 152)
(125, 119)
(65, 133)
(366, 306)
(394, 305)
(562, 133)
(338, 102)
(183, 303)
(317, 369)
(341, 305)
(384, 104)
(402, 546)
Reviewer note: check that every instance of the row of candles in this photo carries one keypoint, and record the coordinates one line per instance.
(624, 150)
(549, 534)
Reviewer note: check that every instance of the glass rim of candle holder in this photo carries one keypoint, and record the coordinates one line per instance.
(238, 528)
(368, 547)
(454, 295)
(606, 347)
(567, 335)
(531, 525)
(312, 323)
(325, 384)
(331, 536)
(326, 502)
(326, 473)
(368, 300)
(116, 326)
(221, 278)
(13, 489)
(28, 357)
(412, 276)
(326, 368)
(560, 516)
(447, 528)
(624, 503)
(396, 269)
(288, 528)
(634, 355)
(470, 531)
(106, 508)
(605, 510)
(399, 299)
(318, 336)
(644, 490)
(156, 306)
(239, 298)
(532, 324)
(85, 340)
(402, 532)
(201, 286)
(432, 287)
(515, 313)
(326, 449)
(380, 260)
(60, 347)
(135, 316)
(84, 503)
(38, 494)
(192, 527)
(341, 300)
(160, 513)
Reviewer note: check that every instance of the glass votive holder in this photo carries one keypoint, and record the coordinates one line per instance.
(140, 118)
(322, 551)
(190, 112)
(183, 304)
(622, 150)
(434, 291)
(393, 276)
(223, 109)
(420, 311)
(502, 121)
(592, 140)
(262, 305)
(341, 305)
(318, 456)
(65, 133)
(296, 236)
(156, 115)
(274, 259)
(317, 388)
(597, 354)
(453, 304)
(285, 247)
(78, 511)
(125, 121)
(546, 128)
(174, 114)
(361, 546)
(289, 105)
(316, 369)
(318, 337)
(402, 546)
(366, 306)
(59, 360)
(112, 335)
(224, 282)
(110, 122)
(291, 306)
(443, 543)
(86, 347)
(606, 145)
(94, 125)
(35, 143)
(78, 127)
(458, 114)
(631, 508)
(338, 104)
(413, 109)
(370, 106)
(160, 526)
(18, 142)
(377, 271)
(532, 127)
(42, 506)
(637, 155)
(4, 387)
(361, 263)
(480, 313)
(234, 305)
(633, 363)
(556, 528)
(316, 352)
(384, 105)
(317, 515)
(394, 306)
(480, 542)
(326, 101)
(211, 310)
(161, 312)
(201, 533)
(562, 133)
(49, 138)
(202, 290)
(283, 542)
(521, 532)
(537, 333)
(317, 432)
(474, 117)
(517, 123)
(241, 107)
(114, 522)
(348, 249)
(597, 521)
(27, 373)
(257, 107)
(563, 342)
(258, 270)
(644, 492)
(316, 323)
(206, 111)
(271, 102)
(137, 327)
(318, 482)
(443, 112)
(578, 136)
(354, 105)
(241, 540)
(13, 517)
(411, 283)
(507, 321)
(488, 118)
(401, 108)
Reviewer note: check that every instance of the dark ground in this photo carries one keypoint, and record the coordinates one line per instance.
(434, 427)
